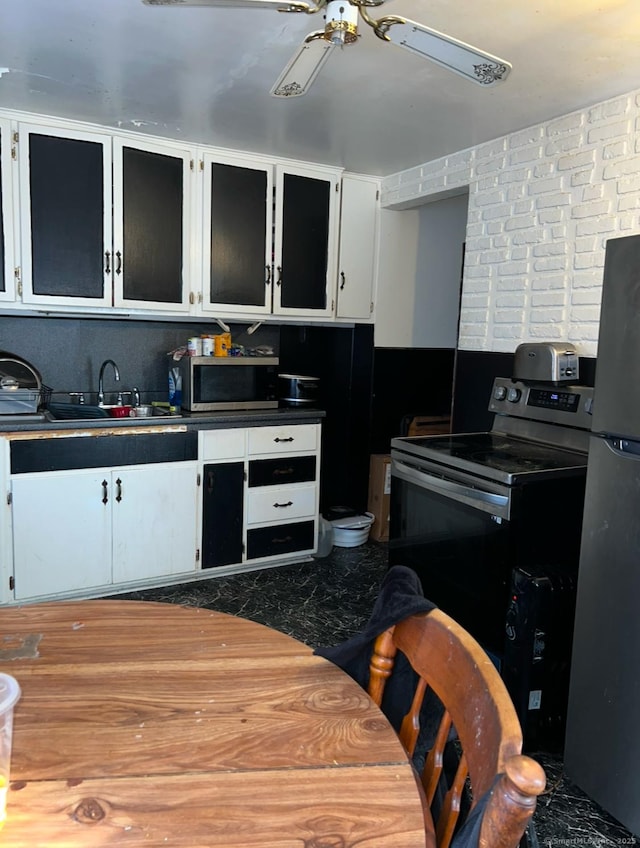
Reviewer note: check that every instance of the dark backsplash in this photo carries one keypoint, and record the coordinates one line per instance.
(68, 352)
(473, 380)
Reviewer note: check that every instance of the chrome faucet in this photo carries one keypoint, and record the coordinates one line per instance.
(116, 374)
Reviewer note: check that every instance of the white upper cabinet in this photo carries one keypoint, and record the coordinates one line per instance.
(269, 237)
(151, 225)
(359, 220)
(104, 221)
(66, 224)
(7, 212)
(306, 238)
(237, 231)
(98, 222)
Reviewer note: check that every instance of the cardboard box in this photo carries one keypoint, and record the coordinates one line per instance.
(379, 495)
(426, 425)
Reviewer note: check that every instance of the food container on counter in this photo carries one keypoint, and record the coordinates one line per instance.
(120, 411)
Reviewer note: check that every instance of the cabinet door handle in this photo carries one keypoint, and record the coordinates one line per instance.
(268, 277)
(107, 262)
(119, 490)
(344, 280)
(279, 280)
(279, 505)
(288, 439)
(210, 482)
(283, 472)
(105, 489)
(119, 264)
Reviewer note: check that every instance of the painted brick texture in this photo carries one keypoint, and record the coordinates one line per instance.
(542, 203)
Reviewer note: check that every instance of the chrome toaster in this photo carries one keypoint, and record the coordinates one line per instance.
(546, 362)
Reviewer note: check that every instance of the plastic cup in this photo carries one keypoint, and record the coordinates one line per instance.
(9, 695)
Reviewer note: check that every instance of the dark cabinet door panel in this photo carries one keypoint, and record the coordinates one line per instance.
(305, 240)
(152, 224)
(67, 215)
(222, 491)
(238, 233)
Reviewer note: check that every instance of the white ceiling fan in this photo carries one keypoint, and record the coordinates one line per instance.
(341, 28)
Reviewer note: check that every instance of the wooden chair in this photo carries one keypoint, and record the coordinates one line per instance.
(449, 661)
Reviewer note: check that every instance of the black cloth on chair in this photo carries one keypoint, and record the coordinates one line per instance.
(400, 596)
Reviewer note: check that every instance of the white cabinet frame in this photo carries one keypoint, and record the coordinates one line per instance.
(186, 155)
(10, 210)
(333, 179)
(357, 262)
(207, 305)
(28, 295)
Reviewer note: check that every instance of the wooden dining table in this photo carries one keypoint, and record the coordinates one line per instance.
(152, 724)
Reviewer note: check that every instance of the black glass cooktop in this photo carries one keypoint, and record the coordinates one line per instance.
(492, 454)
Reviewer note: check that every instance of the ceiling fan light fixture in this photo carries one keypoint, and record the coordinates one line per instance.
(341, 22)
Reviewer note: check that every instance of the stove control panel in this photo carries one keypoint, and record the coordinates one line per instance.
(568, 405)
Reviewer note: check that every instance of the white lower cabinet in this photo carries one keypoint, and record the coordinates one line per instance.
(86, 529)
(61, 533)
(282, 494)
(156, 507)
(260, 494)
(154, 522)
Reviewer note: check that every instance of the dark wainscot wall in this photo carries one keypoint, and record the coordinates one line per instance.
(474, 373)
(408, 382)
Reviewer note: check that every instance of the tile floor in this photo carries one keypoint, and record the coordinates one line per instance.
(324, 602)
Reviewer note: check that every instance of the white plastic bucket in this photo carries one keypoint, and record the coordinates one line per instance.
(353, 531)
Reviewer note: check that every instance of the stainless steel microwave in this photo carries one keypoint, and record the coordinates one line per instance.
(213, 383)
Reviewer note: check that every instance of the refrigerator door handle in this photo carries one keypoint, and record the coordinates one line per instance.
(625, 448)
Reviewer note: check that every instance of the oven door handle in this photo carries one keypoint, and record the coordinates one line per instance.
(476, 498)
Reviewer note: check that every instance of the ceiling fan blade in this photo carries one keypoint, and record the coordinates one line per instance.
(456, 56)
(280, 5)
(304, 67)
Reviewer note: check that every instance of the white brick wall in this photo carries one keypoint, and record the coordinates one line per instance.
(542, 203)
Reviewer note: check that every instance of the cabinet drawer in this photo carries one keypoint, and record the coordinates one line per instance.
(286, 469)
(222, 444)
(296, 438)
(281, 539)
(280, 504)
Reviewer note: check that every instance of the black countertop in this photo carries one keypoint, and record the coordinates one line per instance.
(192, 420)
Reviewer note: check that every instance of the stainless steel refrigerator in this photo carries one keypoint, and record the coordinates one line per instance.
(602, 749)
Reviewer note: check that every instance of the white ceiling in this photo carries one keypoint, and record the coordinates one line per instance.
(204, 74)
